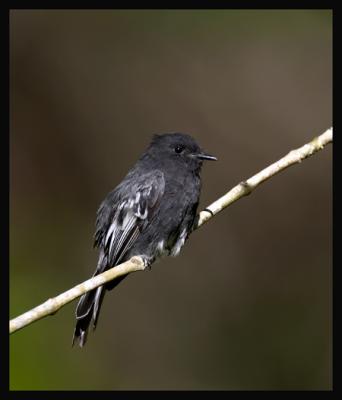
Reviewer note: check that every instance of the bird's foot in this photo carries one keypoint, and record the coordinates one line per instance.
(148, 261)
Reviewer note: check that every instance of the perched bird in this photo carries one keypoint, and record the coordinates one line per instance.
(149, 214)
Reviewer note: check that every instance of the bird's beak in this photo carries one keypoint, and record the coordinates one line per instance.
(203, 156)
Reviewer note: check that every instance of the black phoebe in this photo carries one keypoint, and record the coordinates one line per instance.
(150, 213)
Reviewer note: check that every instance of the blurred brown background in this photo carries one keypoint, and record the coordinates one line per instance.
(247, 304)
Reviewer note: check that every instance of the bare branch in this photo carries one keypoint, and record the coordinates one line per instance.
(244, 188)
(51, 306)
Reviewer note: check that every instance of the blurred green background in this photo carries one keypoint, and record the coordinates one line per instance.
(247, 304)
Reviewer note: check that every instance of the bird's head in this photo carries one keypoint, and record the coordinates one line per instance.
(179, 148)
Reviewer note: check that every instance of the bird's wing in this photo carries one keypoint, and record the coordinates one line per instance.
(121, 221)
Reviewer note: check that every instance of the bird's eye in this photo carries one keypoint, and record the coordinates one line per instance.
(179, 148)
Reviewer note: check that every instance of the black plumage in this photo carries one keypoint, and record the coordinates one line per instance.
(150, 214)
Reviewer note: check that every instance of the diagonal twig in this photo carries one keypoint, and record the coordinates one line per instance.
(244, 188)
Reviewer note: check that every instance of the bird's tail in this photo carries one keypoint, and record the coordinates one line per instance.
(88, 310)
